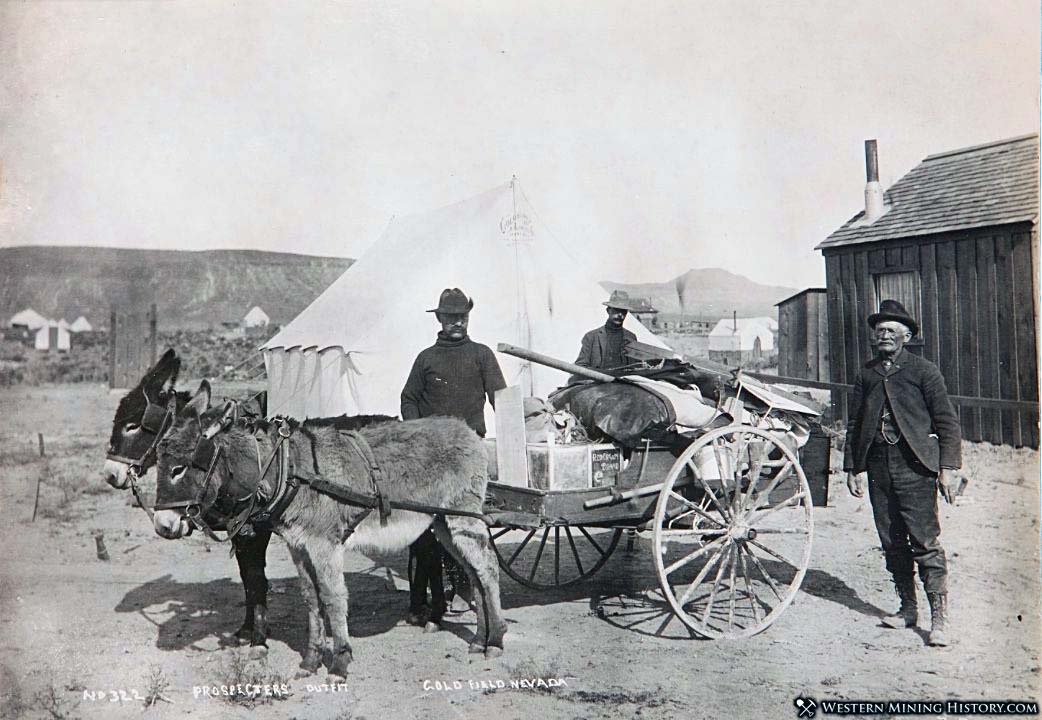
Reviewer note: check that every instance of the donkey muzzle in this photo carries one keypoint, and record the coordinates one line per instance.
(170, 524)
(116, 474)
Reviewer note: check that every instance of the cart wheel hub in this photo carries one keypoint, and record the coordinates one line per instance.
(742, 532)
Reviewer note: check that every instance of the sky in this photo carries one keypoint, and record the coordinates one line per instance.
(651, 137)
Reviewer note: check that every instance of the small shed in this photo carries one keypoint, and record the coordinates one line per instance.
(803, 335)
(734, 341)
(955, 242)
(256, 318)
(81, 324)
(53, 338)
(28, 319)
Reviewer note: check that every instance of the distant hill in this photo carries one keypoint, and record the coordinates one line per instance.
(191, 290)
(709, 292)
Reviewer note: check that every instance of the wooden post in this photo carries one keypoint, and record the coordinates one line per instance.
(152, 334)
(39, 478)
(112, 348)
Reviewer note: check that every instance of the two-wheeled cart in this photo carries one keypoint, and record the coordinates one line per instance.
(730, 516)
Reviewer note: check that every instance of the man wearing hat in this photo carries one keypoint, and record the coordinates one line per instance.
(604, 348)
(452, 377)
(903, 431)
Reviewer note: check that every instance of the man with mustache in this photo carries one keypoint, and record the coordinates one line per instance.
(604, 348)
(903, 431)
(453, 377)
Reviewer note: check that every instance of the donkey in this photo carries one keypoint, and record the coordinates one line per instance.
(209, 462)
(142, 417)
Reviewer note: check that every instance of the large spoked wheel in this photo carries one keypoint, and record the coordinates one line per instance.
(553, 556)
(733, 531)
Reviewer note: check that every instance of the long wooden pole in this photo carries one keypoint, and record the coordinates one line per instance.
(554, 363)
(39, 477)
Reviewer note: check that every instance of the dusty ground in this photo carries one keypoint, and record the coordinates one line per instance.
(72, 625)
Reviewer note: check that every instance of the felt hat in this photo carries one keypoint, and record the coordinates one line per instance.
(453, 301)
(620, 299)
(893, 310)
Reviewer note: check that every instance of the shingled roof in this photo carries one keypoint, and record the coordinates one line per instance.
(993, 184)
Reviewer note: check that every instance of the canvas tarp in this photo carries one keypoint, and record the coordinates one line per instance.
(350, 351)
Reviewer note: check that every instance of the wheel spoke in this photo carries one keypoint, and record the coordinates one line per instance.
(694, 531)
(521, 547)
(794, 500)
(709, 491)
(716, 586)
(763, 571)
(772, 553)
(575, 553)
(782, 531)
(782, 474)
(590, 538)
(755, 467)
(538, 555)
(700, 577)
(697, 510)
(730, 584)
(748, 584)
(696, 554)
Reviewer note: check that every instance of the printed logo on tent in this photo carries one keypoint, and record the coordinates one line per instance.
(517, 227)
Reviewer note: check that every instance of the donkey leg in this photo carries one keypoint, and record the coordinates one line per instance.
(328, 558)
(250, 553)
(470, 540)
(316, 633)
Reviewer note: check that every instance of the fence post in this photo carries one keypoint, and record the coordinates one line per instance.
(39, 478)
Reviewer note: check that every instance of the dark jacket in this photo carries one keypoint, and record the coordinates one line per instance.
(595, 346)
(454, 379)
(921, 409)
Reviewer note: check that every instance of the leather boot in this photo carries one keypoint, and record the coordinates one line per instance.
(908, 614)
(938, 618)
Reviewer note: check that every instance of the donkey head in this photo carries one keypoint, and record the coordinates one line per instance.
(201, 460)
(140, 419)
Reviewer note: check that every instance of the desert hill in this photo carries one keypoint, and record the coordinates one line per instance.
(709, 292)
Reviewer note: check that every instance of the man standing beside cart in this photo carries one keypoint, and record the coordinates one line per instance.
(454, 377)
(604, 348)
(903, 430)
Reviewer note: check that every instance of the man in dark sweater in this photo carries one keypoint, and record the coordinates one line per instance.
(453, 377)
(604, 348)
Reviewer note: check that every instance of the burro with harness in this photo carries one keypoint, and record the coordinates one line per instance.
(318, 485)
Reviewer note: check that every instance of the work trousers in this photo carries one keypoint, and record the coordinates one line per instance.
(903, 493)
(426, 556)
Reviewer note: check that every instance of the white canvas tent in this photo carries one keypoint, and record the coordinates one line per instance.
(256, 318)
(29, 319)
(81, 324)
(729, 336)
(53, 336)
(350, 351)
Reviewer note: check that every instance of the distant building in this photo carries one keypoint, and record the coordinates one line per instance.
(53, 338)
(28, 319)
(803, 336)
(683, 324)
(736, 341)
(258, 318)
(81, 324)
(955, 242)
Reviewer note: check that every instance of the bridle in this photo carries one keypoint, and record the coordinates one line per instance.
(205, 456)
(155, 421)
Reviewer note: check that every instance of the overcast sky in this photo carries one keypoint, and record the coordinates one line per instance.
(654, 136)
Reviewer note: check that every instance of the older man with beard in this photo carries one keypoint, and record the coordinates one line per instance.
(903, 431)
(453, 377)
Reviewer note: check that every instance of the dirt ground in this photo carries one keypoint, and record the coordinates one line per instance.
(75, 631)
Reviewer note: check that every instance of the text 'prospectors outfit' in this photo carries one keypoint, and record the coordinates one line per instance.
(454, 377)
(903, 430)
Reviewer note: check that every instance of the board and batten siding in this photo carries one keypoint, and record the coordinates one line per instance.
(979, 300)
(803, 336)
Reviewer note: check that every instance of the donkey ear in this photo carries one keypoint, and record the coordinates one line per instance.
(171, 379)
(200, 401)
(228, 417)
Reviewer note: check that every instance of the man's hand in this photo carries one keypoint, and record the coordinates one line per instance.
(856, 484)
(948, 485)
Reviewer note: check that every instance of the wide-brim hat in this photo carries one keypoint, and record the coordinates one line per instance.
(453, 301)
(893, 310)
(620, 299)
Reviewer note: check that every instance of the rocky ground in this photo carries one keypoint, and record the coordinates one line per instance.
(83, 637)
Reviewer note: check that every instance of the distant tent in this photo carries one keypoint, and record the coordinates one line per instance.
(743, 335)
(81, 324)
(53, 336)
(29, 319)
(256, 318)
(64, 324)
(350, 351)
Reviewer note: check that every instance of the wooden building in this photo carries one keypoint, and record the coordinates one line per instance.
(803, 335)
(955, 241)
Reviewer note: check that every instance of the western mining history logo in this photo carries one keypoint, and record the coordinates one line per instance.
(809, 707)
